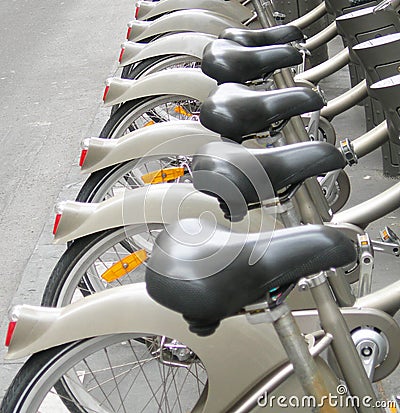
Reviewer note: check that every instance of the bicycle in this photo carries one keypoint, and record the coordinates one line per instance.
(263, 371)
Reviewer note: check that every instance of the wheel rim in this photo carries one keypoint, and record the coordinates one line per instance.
(166, 64)
(130, 175)
(161, 109)
(86, 275)
(119, 373)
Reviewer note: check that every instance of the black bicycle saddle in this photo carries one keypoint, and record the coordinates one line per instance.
(227, 61)
(208, 273)
(263, 37)
(235, 110)
(240, 177)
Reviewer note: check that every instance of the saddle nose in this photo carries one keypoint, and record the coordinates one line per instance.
(227, 61)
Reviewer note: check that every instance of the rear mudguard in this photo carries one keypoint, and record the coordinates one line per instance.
(190, 44)
(149, 10)
(162, 203)
(164, 139)
(191, 83)
(180, 21)
(237, 345)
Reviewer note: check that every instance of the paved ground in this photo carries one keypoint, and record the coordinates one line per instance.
(56, 56)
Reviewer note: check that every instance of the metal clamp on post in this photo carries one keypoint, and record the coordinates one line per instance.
(273, 206)
(301, 47)
(366, 264)
(279, 17)
(389, 236)
(390, 243)
(320, 91)
(348, 152)
(261, 313)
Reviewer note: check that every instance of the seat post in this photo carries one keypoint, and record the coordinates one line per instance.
(305, 367)
(333, 322)
(264, 13)
(314, 204)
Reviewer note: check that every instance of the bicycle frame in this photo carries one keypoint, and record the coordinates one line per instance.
(53, 324)
(39, 328)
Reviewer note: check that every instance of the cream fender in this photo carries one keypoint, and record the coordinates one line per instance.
(181, 21)
(161, 203)
(232, 8)
(192, 83)
(191, 44)
(163, 139)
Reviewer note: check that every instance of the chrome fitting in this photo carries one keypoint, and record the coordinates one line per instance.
(260, 312)
(312, 281)
(348, 152)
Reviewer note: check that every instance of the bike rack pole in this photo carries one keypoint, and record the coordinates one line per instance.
(310, 17)
(324, 36)
(371, 140)
(345, 101)
(325, 69)
(372, 209)
(386, 299)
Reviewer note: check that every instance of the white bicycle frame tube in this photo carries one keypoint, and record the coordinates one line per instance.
(192, 83)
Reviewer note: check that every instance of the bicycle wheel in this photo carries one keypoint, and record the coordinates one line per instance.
(114, 373)
(100, 261)
(107, 182)
(156, 64)
(139, 113)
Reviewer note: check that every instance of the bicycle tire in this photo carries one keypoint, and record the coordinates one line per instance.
(78, 273)
(65, 376)
(156, 64)
(106, 182)
(142, 112)
(138, 70)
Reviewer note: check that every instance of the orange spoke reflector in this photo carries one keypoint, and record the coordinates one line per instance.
(122, 267)
(181, 111)
(385, 235)
(163, 175)
(149, 123)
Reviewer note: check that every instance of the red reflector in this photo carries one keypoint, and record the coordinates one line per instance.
(105, 92)
(121, 54)
(137, 12)
(10, 332)
(128, 33)
(56, 223)
(83, 157)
